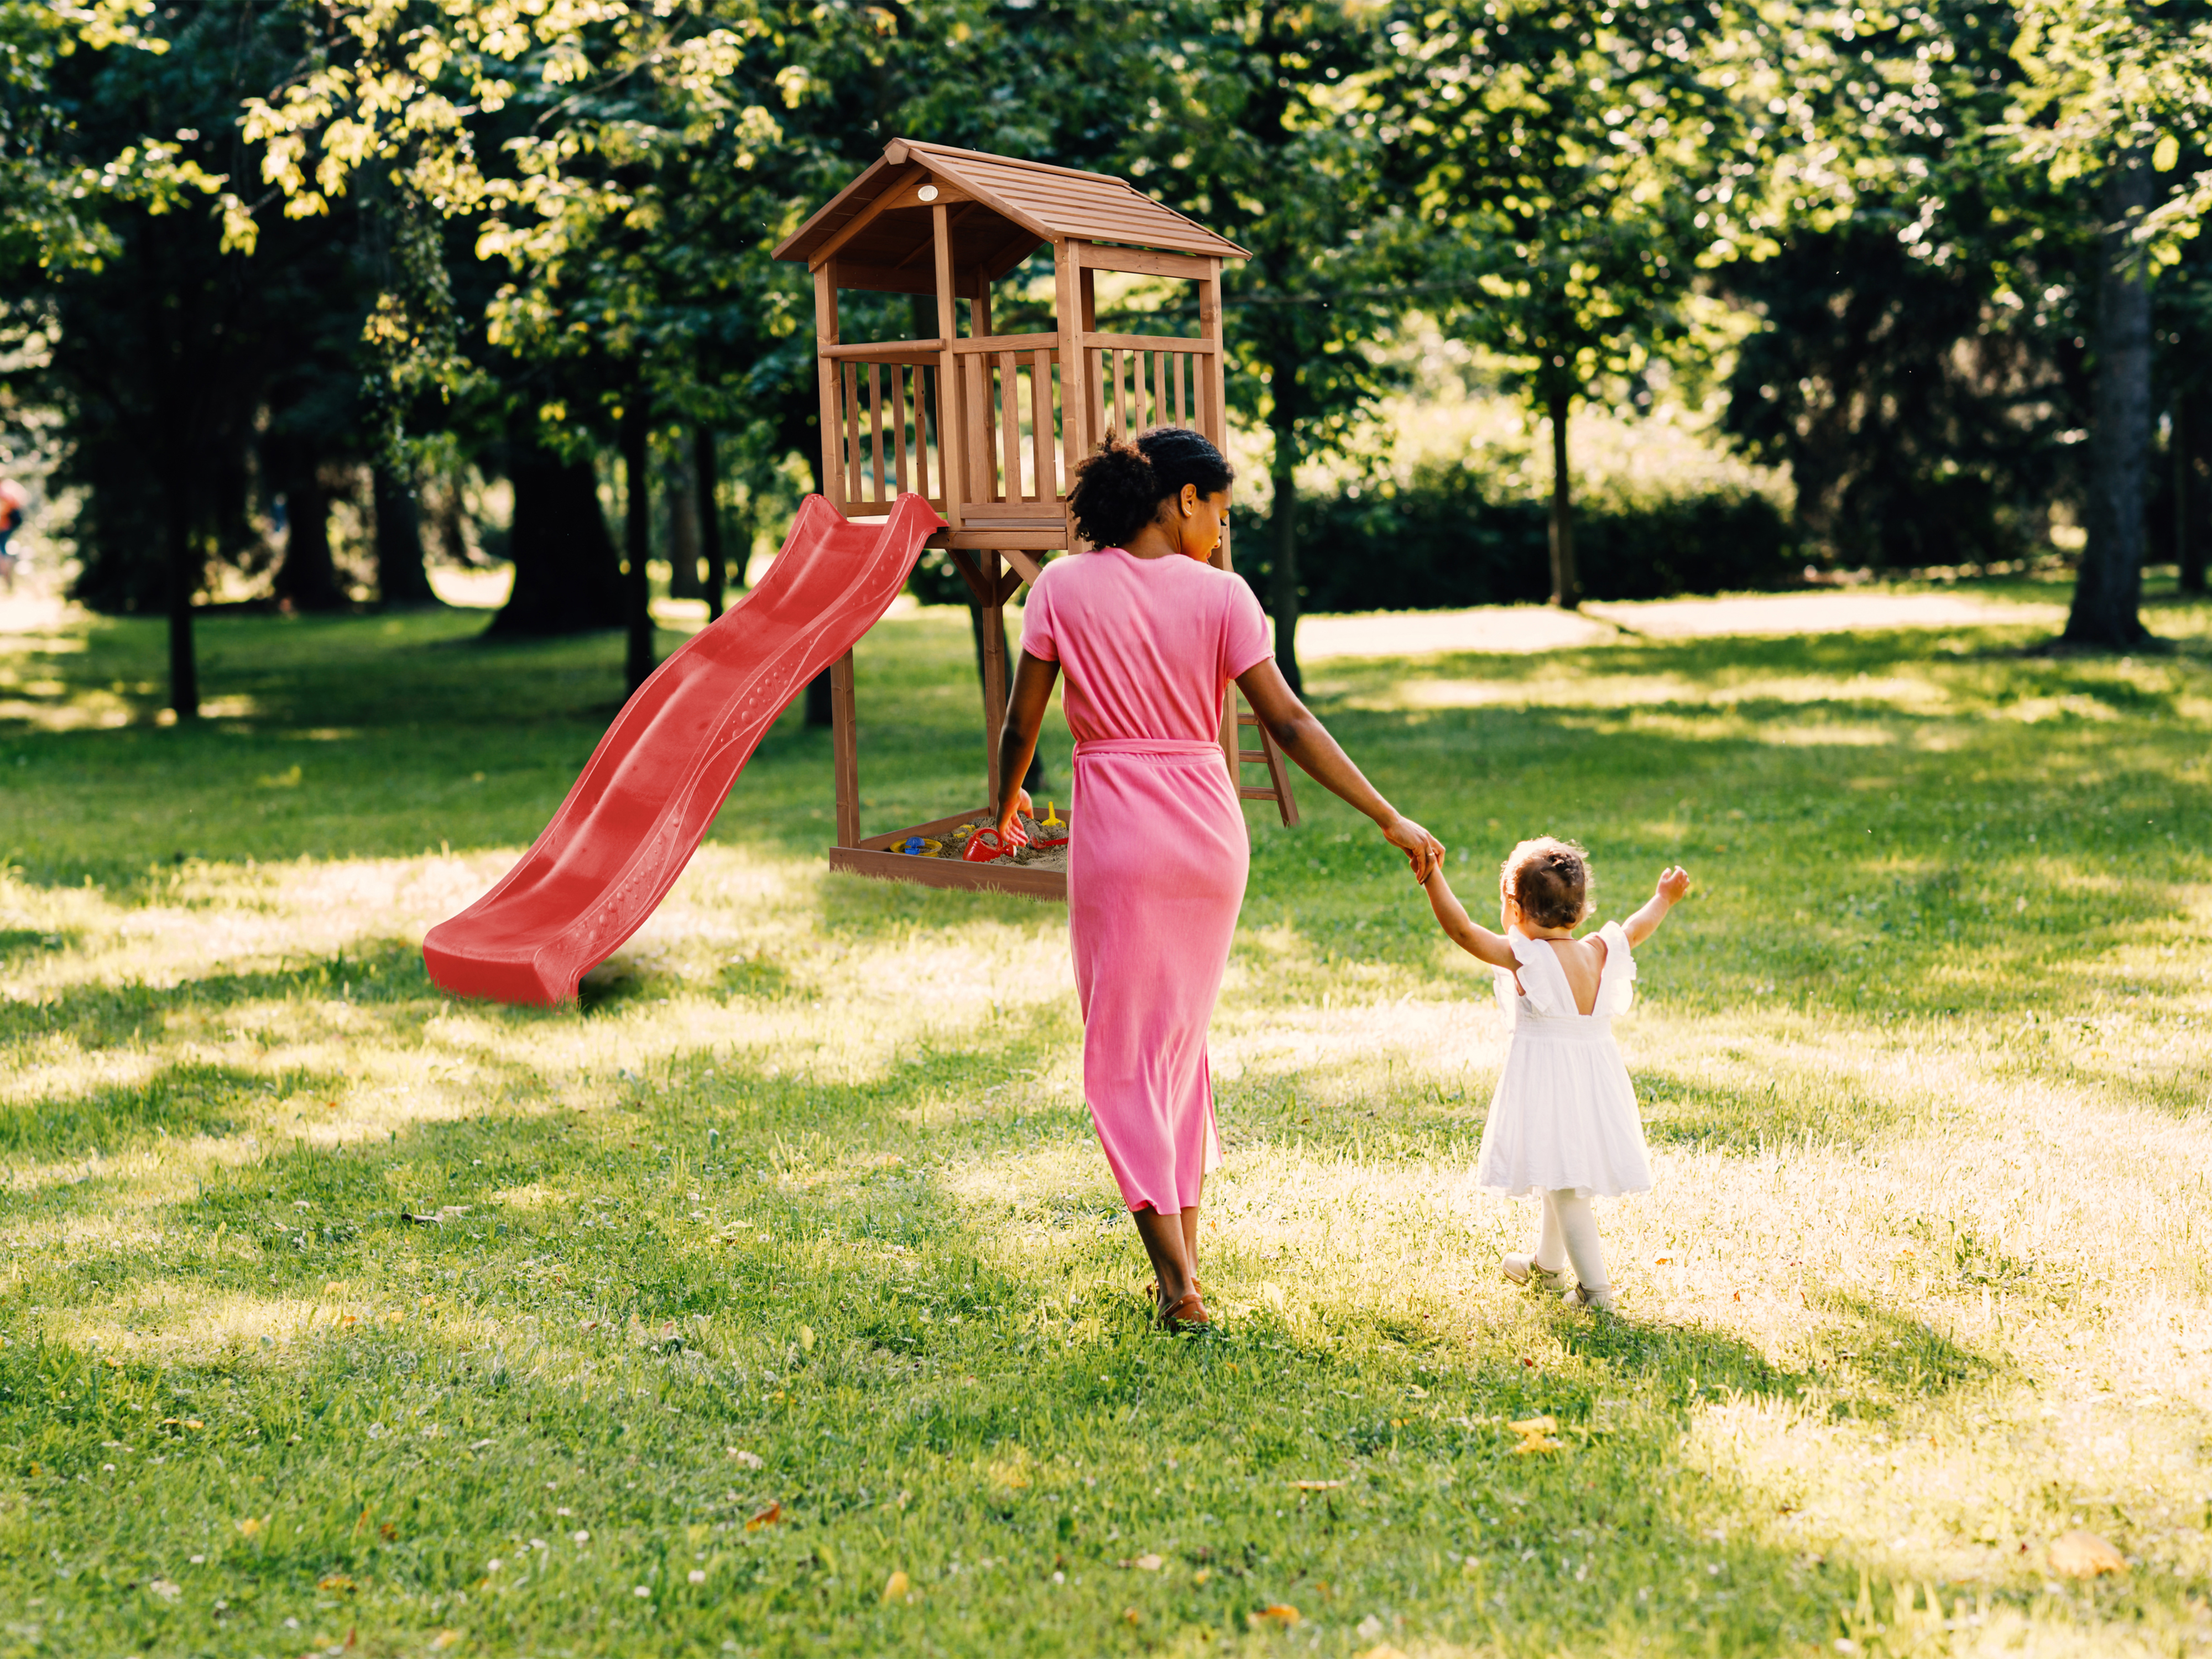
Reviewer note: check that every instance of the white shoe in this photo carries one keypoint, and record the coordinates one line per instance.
(1523, 1268)
(1582, 1297)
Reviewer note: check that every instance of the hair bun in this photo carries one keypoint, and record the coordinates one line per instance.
(1119, 487)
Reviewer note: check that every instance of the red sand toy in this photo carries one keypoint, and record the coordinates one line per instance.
(634, 817)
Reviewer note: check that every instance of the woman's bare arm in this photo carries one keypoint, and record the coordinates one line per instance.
(1034, 678)
(1470, 935)
(1307, 741)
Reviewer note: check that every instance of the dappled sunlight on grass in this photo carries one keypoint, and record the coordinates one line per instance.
(798, 1213)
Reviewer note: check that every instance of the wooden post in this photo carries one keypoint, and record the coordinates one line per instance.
(1067, 303)
(994, 676)
(826, 334)
(950, 441)
(845, 744)
(1213, 397)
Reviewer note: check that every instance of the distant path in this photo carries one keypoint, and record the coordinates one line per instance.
(1526, 627)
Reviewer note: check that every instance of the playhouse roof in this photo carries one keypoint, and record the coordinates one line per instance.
(1001, 209)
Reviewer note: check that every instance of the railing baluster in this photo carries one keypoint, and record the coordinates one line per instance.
(1180, 361)
(876, 425)
(1009, 413)
(849, 424)
(1044, 439)
(921, 408)
(1096, 362)
(898, 425)
(1121, 397)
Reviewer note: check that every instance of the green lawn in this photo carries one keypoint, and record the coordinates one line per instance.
(777, 1300)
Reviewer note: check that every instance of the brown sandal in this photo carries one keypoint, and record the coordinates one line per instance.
(1188, 1314)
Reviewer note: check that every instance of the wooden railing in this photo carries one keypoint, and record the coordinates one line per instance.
(889, 432)
(1139, 380)
(1012, 411)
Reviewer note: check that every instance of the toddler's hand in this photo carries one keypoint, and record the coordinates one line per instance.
(1673, 883)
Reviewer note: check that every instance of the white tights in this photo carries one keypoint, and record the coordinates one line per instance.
(1570, 1232)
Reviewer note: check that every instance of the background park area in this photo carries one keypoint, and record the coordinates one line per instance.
(1766, 435)
(777, 1300)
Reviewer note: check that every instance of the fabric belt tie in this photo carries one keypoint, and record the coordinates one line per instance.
(1163, 748)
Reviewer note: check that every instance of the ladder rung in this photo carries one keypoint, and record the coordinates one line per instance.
(1247, 720)
(1253, 757)
(1246, 793)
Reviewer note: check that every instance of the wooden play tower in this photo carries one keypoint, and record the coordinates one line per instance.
(990, 426)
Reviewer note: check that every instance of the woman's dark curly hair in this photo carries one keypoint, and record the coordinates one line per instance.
(1549, 879)
(1118, 489)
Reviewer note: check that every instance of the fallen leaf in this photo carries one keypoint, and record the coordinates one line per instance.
(1533, 1443)
(807, 1338)
(445, 1638)
(252, 1525)
(1148, 1564)
(767, 1517)
(337, 1581)
(1201, 1575)
(896, 1586)
(2084, 1555)
(1276, 1613)
(1315, 1485)
(167, 1588)
(751, 1460)
(1535, 1425)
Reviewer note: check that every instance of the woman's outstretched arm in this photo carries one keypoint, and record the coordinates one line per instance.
(1307, 741)
(1017, 739)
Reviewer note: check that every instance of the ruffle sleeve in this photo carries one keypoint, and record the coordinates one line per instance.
(1616, 986)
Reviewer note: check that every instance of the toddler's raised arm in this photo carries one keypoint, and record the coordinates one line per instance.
(1471, 936)
(1673, 882)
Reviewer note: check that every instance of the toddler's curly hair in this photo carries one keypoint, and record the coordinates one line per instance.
(1551, 881)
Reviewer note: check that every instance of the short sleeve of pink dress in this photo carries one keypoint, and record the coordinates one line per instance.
(1157, 854)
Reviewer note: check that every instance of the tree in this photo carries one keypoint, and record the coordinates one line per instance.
(1573, 164)
(1266, 126)
(2112, 89)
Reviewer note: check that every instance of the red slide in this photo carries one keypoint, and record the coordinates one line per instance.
(657, 777)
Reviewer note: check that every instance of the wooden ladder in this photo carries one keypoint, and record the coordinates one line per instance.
(1235, 721)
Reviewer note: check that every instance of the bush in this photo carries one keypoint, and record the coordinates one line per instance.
(1444, 539)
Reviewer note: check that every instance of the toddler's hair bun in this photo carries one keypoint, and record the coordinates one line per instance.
(1549, 879)
(1118, 488)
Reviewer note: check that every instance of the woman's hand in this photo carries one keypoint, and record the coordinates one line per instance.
(1423, 851)
(1010, 832)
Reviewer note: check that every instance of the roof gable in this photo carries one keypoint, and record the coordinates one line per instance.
(1005, 208)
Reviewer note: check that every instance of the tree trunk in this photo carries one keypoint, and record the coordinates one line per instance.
(682, 497)
(401, 578)
(706, 473)
(2108, 592)
(184, 574)
(1566, 588)
(637, 539)
(1282, 519)
(567, 578)
(307, 579)
(2190, 436)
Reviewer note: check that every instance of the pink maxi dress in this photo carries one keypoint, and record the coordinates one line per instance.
(1158, 855)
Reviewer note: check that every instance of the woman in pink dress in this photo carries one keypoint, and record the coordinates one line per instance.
(1150, 635)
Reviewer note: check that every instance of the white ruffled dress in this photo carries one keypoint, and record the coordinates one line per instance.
(1565, 1113)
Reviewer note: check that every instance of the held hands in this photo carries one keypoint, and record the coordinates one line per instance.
(1673, 884)
(1423, 851)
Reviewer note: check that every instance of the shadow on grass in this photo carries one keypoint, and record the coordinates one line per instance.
(191, 1098)
(101, 1016)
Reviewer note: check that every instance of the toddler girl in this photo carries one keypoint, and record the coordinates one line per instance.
(1563, 1123)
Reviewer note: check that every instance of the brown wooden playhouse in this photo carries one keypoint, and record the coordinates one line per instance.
(988, 427)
